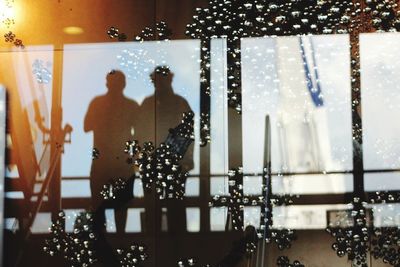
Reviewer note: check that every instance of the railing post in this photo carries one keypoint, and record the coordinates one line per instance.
(54, 190)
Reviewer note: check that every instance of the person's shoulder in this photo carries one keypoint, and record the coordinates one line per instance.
(179, 97)
(181, 100)
(100, 98)
(131, 102)
(97, 100)
(148, 100)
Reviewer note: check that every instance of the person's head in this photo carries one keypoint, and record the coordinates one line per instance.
(115, 81)
(162, 78)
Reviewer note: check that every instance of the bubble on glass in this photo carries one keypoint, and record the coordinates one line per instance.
(136, 63)
(9, 37)
(157, 166)
(134, 256)
(95, 153)
(78, 247)
(114, 188)
(283, 261)
(113, 32)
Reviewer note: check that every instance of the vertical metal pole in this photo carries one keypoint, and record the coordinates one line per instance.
(266, 208)
(3, 110)
(358, 166)
(356, 116)
(205, 56)
(54, 191)
(234, 118)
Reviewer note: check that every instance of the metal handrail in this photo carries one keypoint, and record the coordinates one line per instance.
(272, 174)
(50, 174)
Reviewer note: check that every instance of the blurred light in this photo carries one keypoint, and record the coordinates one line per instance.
(72, 30)
(7, 10)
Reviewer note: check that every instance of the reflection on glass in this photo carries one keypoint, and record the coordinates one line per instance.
(380, 65)
(33, 77)
(193, 219)
(83, 72)
(28, 79)
(41, 223)
(312, 184)
(219, 186)
(218, 109)
(303, 85)
(304, 217)
(157, 95)
(380, 107)
(133, 224)
(386, 215)
(252, 216)
(192, 187)
(75, 189)
(218, 218)
(27, 76)
(138, 189)
(252, 185)
(2, 159)
(70, 217)
(11, 224)
(382, 181)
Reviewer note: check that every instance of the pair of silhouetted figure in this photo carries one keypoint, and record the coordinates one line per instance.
(115, 119)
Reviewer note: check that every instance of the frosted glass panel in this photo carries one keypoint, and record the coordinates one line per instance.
(218, 108)
(192, 187)
(303, 85)
(312, 184)
(304, 217)
(380, 81)
(382, 181)
(219, 186)
(193, 219)
(218, 219)
(133, 223)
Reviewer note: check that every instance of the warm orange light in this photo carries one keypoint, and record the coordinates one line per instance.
(73, 30)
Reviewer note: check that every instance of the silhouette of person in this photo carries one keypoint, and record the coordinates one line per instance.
(160, 112)
(111, 117)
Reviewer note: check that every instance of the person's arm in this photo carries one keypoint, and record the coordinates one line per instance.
(88, 124)
(188, 161)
